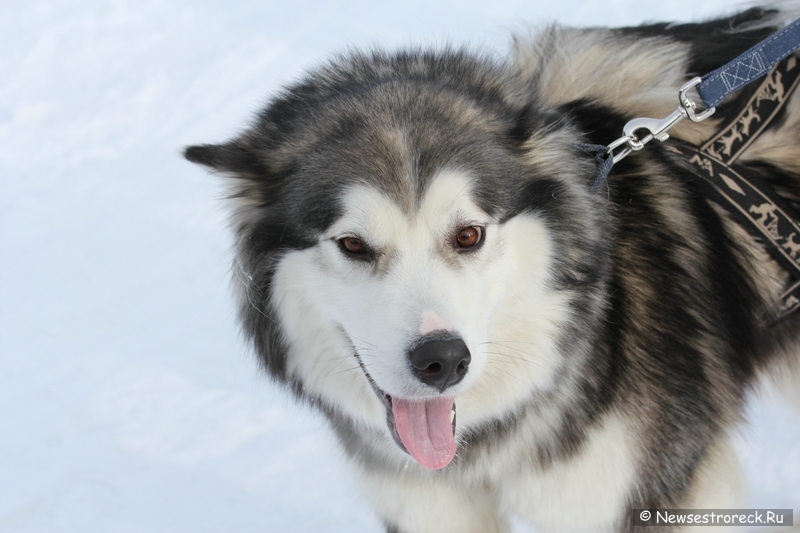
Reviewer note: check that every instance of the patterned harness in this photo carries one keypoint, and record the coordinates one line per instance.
(754, 204)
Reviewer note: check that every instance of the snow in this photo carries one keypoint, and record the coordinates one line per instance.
(128, 401)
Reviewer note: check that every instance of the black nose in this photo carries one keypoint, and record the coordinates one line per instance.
(440, 363)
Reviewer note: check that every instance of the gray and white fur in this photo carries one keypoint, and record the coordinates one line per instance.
(398, 211)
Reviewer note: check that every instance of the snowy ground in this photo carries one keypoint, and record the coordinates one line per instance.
(128, 403)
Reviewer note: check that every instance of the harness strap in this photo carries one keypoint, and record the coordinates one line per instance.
(757, 209)
(734, 138)
(753, 204)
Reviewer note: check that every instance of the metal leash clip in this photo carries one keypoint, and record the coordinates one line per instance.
(657, 128)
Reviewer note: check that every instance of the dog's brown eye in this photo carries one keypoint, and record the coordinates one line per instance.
(355, 247)
(469, 237)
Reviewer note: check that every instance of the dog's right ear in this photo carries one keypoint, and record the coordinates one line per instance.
(234, 157)
(210, 155)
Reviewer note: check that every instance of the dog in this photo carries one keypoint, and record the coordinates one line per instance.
(421, 256)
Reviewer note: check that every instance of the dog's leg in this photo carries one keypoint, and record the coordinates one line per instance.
(413, 504)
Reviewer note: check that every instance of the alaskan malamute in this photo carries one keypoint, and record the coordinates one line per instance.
(422, 256)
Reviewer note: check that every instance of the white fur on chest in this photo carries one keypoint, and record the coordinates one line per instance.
(587, 492)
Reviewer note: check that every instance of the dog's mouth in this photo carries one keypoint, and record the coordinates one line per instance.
(424, 429)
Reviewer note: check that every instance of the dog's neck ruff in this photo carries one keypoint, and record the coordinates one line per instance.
(752, 203)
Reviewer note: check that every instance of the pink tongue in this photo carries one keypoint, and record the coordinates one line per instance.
(426, 430)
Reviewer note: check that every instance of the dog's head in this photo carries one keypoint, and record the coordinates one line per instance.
(414, 234)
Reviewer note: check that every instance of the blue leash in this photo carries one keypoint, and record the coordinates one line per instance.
(712, 88)
(751, 65)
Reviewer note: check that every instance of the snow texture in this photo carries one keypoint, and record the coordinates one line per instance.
(128, 401)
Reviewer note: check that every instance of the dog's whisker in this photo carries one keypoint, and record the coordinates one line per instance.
(516, 358)
(361, 340)
(492, 372)
(344, 370)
